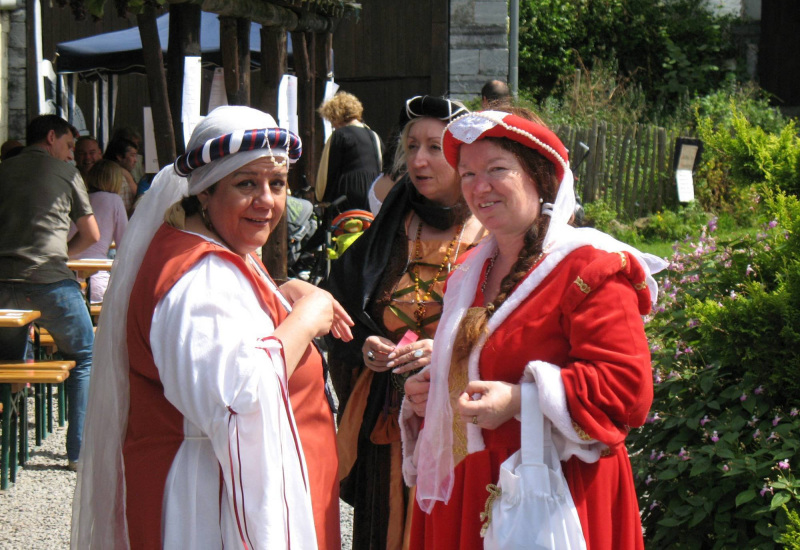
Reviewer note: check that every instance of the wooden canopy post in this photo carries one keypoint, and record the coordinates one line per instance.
(184, 40)
(306, 108)
(157, 84)
(234, 44)
(273, 66)
(323, 65)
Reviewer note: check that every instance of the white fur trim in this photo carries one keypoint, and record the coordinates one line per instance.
(553, 402)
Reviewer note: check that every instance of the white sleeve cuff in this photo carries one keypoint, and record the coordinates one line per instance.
(553, 401)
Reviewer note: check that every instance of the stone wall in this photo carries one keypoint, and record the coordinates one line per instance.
(17, 113)
(478, 45)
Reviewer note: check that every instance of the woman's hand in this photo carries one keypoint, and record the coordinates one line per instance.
(417, 387)
(411, 356)
(489, 404)
(295, 289)
(376, 350)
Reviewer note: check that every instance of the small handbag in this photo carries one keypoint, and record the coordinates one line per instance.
(531, 507)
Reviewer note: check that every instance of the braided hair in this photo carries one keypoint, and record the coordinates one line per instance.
(542, 172)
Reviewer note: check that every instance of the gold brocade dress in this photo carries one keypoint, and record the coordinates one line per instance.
(408, 298)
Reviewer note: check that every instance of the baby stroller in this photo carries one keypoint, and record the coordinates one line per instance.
(346, 228)
(301, 224)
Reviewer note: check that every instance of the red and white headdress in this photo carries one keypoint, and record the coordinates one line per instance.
(475, 126)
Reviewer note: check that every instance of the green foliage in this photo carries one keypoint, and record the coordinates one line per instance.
(670, 50)
(746, 142)
(791, 537)
(674, 225)
(598, 94)
(715, 462)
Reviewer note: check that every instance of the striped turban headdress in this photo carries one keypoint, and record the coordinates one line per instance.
(229, 138)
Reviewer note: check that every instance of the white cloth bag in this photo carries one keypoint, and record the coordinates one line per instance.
(534, 510)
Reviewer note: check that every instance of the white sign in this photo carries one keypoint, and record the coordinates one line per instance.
(150, 153)
(218, 96)
(192, 80)
(685, 183)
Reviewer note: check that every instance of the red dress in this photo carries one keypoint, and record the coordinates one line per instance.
(595, 332)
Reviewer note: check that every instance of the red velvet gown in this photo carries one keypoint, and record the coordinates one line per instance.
(598, 339)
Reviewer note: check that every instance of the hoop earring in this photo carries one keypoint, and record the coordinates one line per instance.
(206, 219)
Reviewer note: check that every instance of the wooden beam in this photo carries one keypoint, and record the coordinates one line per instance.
(267, 14)
(234, 41)
(274, 254)
(184, 39)
(157, 84)
(306, 109)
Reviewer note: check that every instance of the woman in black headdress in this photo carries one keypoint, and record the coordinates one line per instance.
(391, 282)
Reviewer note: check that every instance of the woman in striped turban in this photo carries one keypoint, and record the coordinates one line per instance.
(191, 440)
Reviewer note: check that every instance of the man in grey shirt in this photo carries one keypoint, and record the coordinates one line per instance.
(40, 193)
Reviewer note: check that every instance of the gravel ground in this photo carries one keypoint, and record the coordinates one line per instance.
(35, 512)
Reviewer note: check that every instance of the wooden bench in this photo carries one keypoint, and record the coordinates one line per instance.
(14, 378)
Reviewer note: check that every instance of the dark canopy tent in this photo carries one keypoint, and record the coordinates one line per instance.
(120, 52)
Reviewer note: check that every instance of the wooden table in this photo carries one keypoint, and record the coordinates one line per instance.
(11, 318)
(86, 268)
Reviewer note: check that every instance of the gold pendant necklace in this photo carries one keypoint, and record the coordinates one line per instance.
(419, 297)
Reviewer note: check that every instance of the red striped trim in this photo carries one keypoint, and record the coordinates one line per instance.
(243, 535)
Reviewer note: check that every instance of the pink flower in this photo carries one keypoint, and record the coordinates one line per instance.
(773, 224)
(649, 480)
(772, 436)
(759, 390)
(654, 504)
(726, 468)
(783, 465)
(756, 433)
(714, 437)
(684, 454)
(705, 420)
(794, 412)
(743, 397)
(766, 490)
(693, 323)
(753, 422)
(776, 420)
(653, 418)
(734, 295)
(749, 271)
(712, 224)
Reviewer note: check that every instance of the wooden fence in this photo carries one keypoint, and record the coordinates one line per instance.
(629, 166)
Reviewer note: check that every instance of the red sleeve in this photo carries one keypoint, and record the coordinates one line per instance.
(608, 378)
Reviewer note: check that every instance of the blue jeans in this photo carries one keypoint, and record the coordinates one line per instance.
(66, 317)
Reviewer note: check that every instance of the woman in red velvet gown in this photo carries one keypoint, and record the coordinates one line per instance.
(539, 302)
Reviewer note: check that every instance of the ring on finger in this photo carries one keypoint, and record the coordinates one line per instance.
(475, 419)
(418, 353)
(371, 355)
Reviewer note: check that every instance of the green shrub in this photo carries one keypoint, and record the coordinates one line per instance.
(714, 464)
(671, 50)
(791, 537)
(674, 225)
(739, 154)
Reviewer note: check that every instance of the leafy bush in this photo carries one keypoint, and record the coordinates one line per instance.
(745, 142)
(674, 225)
(670, 49)
(714, 463)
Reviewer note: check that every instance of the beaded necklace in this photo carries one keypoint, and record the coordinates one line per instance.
(419, 298)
